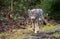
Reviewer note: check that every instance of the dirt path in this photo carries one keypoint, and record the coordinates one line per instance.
(44, 35)
(41, 36)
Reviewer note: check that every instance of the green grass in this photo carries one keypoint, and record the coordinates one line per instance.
(28, 31)
(49, 27)
(20, 34)
(56, 34)
(2, 34)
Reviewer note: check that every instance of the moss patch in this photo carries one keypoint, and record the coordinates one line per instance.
(49, 27)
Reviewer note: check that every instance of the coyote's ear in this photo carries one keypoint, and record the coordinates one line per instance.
(28, 10)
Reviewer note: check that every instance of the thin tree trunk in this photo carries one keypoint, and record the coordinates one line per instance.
(11, 5)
